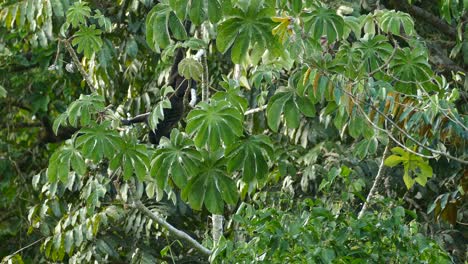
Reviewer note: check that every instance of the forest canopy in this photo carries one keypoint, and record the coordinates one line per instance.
(233, 131)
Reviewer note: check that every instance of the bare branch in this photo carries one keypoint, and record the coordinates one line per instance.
(374, 186)
(77, 63)
(176, 232)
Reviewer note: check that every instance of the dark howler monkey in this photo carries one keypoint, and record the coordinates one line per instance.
(175, 113)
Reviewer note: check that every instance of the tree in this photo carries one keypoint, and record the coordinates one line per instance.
(304, 114)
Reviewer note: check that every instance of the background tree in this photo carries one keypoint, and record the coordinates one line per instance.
(324, 131)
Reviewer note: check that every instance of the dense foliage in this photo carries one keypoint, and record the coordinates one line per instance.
(323, 131)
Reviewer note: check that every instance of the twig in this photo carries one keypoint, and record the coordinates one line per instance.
(374, 186)
(176, 232)
(28, 246)
(255, 110)
(77, 63)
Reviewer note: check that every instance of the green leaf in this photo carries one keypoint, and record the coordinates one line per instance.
(78, 13)
(99, 142)
(305, 106)
(196, 12)
(157, 113)
(275, 108)
(134, 160)
(227, 33)
(251, 156)
(176, 27)
(391, 21)
(324, 22)
(240, 47)
(60, 161)
(211, 186)
(3, 92)
(88, 40)
(213, 200)
(412, 164)
(195, 191)
(228, 189)
(177, 158)
(291, 114)
(215, 124)
(157, 31)
(215, 12)
(81, 110)
(393, 160)
(409, 67)
(248, 27)
(190, 68)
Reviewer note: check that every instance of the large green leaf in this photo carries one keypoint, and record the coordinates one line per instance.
(177, 158)
(61, 161)
(410, 68)
(159, 22)
(88, 40)
(198, 10)
(324, 22)
(391, 21)
(133, 158)
(289, 103)
(78, 13)
(214, 124)
(191, 69)
(413, 165)
(247, 28)
(80, 110)
(251, 156)
(211, 187)
(99, 142)
(373, 53)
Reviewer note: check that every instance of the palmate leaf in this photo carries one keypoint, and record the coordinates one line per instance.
(247, 28)
(215, 124)
(176, 158)
(412, 164)
(251, 156)
(88, 40)
(99, 142)
(61, 161)
(160, 21)
(133, 158)
(391, 21)
(373, 52)
(198, 10)
(410, 67)
(190, 68)
(324, 22)
(291, 105)
(211, 187)
(77, 14)
(80, 110)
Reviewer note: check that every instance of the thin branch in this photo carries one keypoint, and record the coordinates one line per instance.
(77, 63)
(176, 232)
(28, 246)
(374, 186)
(255, 110)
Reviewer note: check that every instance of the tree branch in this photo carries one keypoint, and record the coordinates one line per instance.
(374, 186)
(78, 65)
(176, 232)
